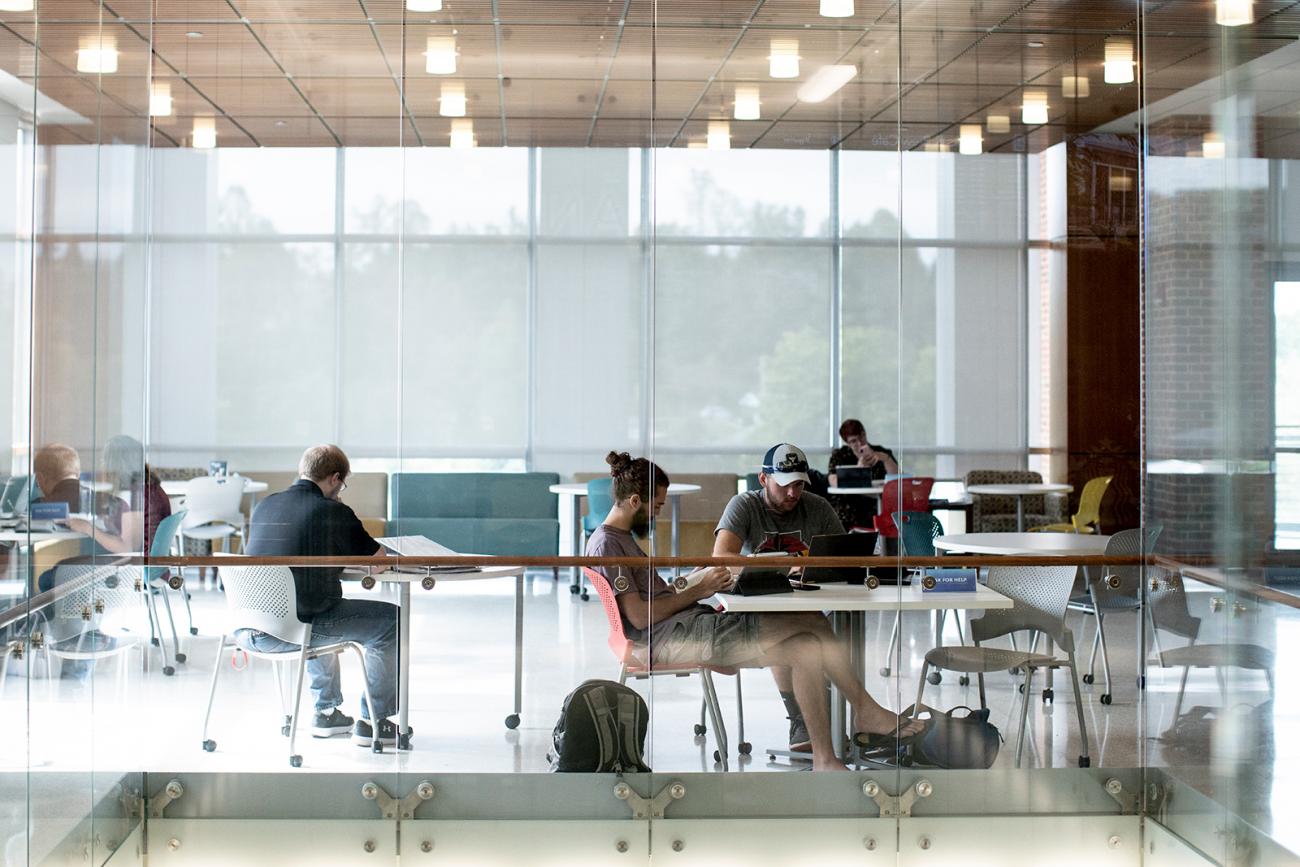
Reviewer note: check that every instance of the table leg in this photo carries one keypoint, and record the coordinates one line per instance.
(403, 664)
(839, 721)
(512, 721)
(676, 534)
(1020, 514)
(576, 528)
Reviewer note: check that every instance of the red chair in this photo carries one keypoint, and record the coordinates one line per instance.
(910, 494)
(634, 668)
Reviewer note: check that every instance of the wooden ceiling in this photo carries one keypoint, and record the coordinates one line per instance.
(611, 73)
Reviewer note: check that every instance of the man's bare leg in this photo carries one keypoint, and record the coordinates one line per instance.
(802, 653)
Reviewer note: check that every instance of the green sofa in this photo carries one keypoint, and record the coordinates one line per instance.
(477, 513)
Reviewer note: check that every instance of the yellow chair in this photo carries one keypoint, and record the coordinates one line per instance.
(1088, 518)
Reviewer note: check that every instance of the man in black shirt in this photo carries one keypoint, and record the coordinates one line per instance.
(308, 520)
(57, 472)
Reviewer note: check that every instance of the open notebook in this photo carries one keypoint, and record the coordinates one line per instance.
(421, 546)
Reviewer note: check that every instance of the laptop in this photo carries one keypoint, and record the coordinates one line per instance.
(840, 545)
(763, 581)
(421, 546)
(854, 477)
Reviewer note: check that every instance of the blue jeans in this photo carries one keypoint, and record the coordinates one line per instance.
(371, 624)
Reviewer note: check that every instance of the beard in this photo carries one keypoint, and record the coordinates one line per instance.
(642, 523)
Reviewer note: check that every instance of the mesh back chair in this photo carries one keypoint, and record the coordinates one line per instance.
(916, 534)
(264, 598)
(1040, 596)
(1088, 518)
(97, 618)
(910, 494)
(1114, 588)
(632, 667)
(212, 507)
(1167, 611)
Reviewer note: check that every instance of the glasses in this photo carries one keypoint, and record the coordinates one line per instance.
(345, 486)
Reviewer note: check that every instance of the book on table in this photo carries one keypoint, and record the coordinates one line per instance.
(422, 546)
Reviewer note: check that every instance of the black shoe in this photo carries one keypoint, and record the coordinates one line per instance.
(363, 735)
(800, 742)
(328, 725)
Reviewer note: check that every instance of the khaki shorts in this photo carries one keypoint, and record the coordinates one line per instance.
(703, 637)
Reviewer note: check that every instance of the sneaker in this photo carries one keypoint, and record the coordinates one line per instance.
(363, 735)
(800, 742)
(333, 723)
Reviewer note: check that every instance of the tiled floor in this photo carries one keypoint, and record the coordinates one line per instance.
(461, 691)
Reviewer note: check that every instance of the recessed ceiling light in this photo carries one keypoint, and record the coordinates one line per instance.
(282, 123)
(193, 34)
(1034, 43)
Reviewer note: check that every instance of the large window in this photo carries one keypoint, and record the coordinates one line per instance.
(539, 306)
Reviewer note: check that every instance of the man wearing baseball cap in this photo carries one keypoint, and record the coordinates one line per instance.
(779, 516)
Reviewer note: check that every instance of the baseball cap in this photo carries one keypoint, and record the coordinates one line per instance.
(786, 463)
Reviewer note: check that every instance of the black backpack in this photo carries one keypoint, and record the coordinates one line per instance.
(601, 730)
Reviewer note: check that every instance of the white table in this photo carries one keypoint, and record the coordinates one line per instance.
(22, 537)
(1020, 492)
(873, 491)
(575, 491)
(177, 487)
(848, 604)
(404, 580)
(1029, 544)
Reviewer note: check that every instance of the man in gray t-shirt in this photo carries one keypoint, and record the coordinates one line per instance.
(779, 516)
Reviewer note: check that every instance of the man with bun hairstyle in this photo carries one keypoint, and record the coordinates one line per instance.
(671, 628)
(308, 520)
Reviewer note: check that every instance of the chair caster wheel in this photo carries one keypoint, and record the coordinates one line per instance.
(295, 761)
(1020, 687)
(1105, 698)
(963, 680)
(512, 721)
(884, 672)
(1088, 678)
(935, 678)
(584, 596)
(745, 748)
(376, 747)
(284, 731)
(169, 670)
(717, 757)
(404, 741)
(699, 729)
(1142, 682)
(194, 630)
(209, 746)
(1048, 696)
(180, 657)
(905, 761)
(154, 642)
(1085, 762)
(573, 589)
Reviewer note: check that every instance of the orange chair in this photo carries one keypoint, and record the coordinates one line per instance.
(909, 494)
(634, 668)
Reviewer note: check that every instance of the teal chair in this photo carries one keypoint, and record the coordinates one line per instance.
(158, 582)
(916, 534)
(600, 499)
(13, 494)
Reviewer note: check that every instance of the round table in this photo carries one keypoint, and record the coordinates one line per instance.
(578, 490)
(176, 487)
(1020, 492)
(1028, 544)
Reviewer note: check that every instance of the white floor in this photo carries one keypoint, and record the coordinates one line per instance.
(128, 719)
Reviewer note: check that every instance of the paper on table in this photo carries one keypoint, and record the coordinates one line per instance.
(421, 546)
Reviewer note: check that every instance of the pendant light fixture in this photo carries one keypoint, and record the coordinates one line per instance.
(1033, 112)
(746, 105)
(453, 102)
(160, 99)
(783, 62)
(1075, 86)
(1233, 13)
(1119, 60)
(440, 55)
(204, 134)
(462, 134)
(971, 141)
(719, 135)
(97, 55)
(423, 5)
(836, 8)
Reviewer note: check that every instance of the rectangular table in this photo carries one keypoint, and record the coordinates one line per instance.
(403, 580)
(848, 605)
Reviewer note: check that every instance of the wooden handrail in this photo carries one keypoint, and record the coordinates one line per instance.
(655, 562)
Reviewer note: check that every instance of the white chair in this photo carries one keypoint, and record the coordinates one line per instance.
(213, 511)
(98, 618)
(263, 598)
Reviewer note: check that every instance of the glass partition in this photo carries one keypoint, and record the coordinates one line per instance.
(839, 272)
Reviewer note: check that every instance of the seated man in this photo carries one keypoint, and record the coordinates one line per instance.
(779, 516)
(673, 628)
(308, 520)
(57, 472)
(858, 510)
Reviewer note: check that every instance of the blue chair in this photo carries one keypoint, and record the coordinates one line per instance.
(916, 534)
(600, 499)
(158, 581)
(12, 496)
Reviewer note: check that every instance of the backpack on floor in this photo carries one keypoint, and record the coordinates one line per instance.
(601, 729)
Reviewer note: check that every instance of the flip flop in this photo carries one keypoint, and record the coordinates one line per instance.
(887, 740)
